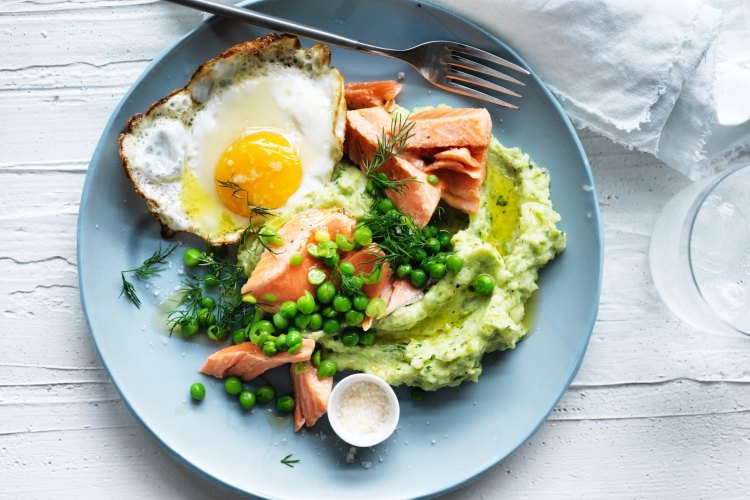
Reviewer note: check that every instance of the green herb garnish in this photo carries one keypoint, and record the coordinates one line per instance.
(390, 145)
(289, 461)
(151, 267)
(397, 235)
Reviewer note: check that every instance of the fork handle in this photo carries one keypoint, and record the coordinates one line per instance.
(279, 24)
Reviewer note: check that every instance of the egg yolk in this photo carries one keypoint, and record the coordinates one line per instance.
(264, 167)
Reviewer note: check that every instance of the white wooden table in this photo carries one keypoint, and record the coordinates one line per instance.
(657, 410)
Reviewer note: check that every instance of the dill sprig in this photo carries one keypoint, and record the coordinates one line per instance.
(150, 268)
(191, 293)
(265, 236)
(390, 145)
(289, 461)
(239, 192)
(397, 235)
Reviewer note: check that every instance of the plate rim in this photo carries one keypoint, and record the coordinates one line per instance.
(595, 215)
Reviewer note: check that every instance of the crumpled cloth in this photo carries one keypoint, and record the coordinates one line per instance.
(668, 77)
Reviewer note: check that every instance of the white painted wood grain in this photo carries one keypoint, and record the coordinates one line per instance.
(658, 410)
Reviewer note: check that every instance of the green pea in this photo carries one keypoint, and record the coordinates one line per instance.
(433, 179)
(249, 298)
(294, 348)
(208, 302)
(454, 263)
(484, 284)
(301, 321)
(418, 278)
(210, 279)
(393, 213)
(189, 326)
(306, 303)
(385, 204)
(363, 236)
(233, 385)
(432, 245)
(332, 261)
(269, 348)
(420, 254)
(371, 188)
(325, 292)
(316, 321)
(360, 302)
(347, 268)
(281, 342)
(197, 391)
(288, 309)
(344, 243)
(316, 358)
(293, 338)
(366, 338)
(329, 312)
(440, 258)
(403, 270)
(206, 317)
(373, 277)
(262, 326)
(444, 237)
(331, 325)
(356, 282)
(192, 257)
(239, 336)
(354, 318)
(265, 394)
(376, 308)
(437, 271)
(270, 236)
(316, 276)
(280, 321)
(285, 404)
(296, 259)
(327, 249)
(322, 235)
(247, 400)
(341, 303)
(327, 368)
(429, 231)
(382, 177)
(350, 338)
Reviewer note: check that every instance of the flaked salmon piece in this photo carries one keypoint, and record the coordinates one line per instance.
(450, 128)
(461, 191)
(274, 277)
(364, 262)
(368, 94)
(403, 293)
(247, 361)
(311, 394)
(458, 160)
(418, 198)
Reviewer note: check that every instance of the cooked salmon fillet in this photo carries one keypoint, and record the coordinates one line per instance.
(274, 277)
(368, 94)
(450, 128)
(247, 361)
(364, 262)
(402, 294)
(419, 198)
(450, 143)
(310, 394)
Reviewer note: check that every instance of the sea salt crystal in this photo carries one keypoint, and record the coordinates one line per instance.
(363, 408)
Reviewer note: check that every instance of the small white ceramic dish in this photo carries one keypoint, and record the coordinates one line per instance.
(353, 436)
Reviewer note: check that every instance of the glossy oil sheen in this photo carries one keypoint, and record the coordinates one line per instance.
(444, 440)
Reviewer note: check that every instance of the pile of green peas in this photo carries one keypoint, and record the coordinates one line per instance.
(204, 317)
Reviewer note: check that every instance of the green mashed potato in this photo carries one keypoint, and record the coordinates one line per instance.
(440, 340)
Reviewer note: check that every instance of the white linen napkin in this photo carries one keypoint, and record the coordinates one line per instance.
(669, 77)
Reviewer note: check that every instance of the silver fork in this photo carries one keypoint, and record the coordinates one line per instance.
(448, 65)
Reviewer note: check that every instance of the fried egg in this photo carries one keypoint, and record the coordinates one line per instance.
(262, 124)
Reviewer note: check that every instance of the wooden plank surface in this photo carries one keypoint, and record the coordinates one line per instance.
(658, 410)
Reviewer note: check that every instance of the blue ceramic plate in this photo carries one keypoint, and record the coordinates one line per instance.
(444, 440)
